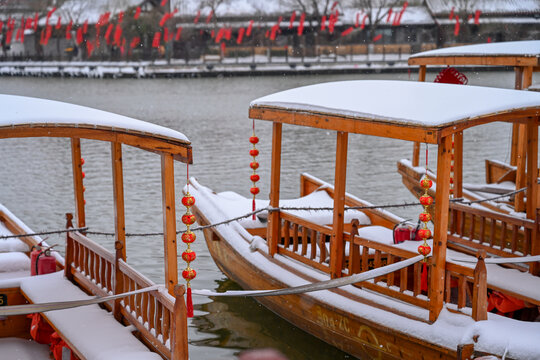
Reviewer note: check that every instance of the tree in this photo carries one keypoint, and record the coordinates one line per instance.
(463, 11)
(375, 11)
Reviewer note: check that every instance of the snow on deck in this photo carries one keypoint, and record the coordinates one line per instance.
(530, 48)
(400, 102)
(22, 110)
(23, 349)
(92, 330)
(449, 330)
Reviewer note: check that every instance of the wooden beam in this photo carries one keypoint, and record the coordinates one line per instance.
(458, 164)
(422, 73)
(169, 221)
(337, 245)
(532, 189)
(78, 187)
(519, 203)
(509, 60)
(518, 71)
(118, 196)
(436, 289)
(274, 230)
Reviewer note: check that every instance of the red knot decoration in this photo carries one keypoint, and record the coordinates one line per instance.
(188, 237)
(254, 165)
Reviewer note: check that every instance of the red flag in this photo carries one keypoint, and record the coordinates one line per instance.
(223, 48)
(58, 23)
(219, 35)
(79, 36)
(196, 20)
(117, 34)
(85, 27)
(164, 19)
(332, 21)
(137, 13)
(157, 39)
(347, 32)
(123, 46)
(178, 33)
(9, 34)
(135, 42)
(120, 16)
(36, 18)
(456, 27)
(363, 22)
(301, 26)
(48, 33)
(323, 23)
(89, 48)
(267, 34)
(389, 15)
(250, 26)
(377, 38)
(49, 14)
(334, 5)
(68, 30)
(357, 20)
(108, 34)
(163, 2)
(28, 24)
(209, 17)
(451, 15)
(488, 39)
(18, 34)
(212, 33)
(228, 33)
(477, 17)
(103, 19)
(291, 21)
(1, 25)
(241, 32)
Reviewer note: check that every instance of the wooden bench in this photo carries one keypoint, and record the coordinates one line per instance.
(90, 331)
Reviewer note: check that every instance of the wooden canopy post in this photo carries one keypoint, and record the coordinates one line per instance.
(518, 70)
(532, 188)
(274, 231)
(118, 193)
(416, 146)
(78, 181)
(458, 164)
(436, 289)
(337, 246)
(169, 221)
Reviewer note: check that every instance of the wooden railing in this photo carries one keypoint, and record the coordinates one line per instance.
(305, 241)
(159, 317)
(496, 233)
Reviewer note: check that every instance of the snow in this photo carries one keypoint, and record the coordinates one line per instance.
(109, 338)
(14, 261)
(23, 349)
(511, 48)
(22, 110)
(399, 102)
(486, 6)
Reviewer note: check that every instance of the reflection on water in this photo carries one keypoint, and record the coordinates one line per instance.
(243, 323)
(36, 184)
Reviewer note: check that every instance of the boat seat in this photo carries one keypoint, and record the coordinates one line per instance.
(89, 331)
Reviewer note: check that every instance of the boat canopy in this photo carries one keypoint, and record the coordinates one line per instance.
(23, 116)
(415, 111)
(511, 53)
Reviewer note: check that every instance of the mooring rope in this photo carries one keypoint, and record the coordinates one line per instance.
(61, 305)
(511, 260)
(44, 233)
(322, 285)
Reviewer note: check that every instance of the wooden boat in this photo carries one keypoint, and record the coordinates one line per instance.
(390, 316)
(148, 325)
(524, 57)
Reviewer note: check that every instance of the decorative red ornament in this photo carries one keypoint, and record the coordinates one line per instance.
(82, 161)
(188, 201)
(426, 200)
(254, 140)
(254, 165)
(254, 190)
(254, 177)
(426, 183)
(189, 274)
(425, 217)
(424, 233)
(188, 237)
(424, 250)
(254, 152)
(188, 219)
(189, 255)
(83, 174)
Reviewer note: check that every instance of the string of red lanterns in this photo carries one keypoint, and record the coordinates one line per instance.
(425, 217)
(254, 165)
(188, 237)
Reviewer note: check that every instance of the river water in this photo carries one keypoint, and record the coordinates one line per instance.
(36, 183)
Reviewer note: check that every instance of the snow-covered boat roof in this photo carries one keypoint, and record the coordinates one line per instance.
(23, 116)
(407, 110)
(512, 49)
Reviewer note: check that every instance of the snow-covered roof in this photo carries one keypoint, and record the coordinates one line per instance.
(400, 103)
(486, 6)
(529, 48)
(28, 111)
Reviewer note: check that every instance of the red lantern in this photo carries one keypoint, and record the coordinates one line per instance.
(253, 139)
(426, 200)
(254, 177)
(188, 237)
(254, 152)
(254, 190)
(254, 165)
(189, 274)
(188, 201)
(425, 217)
(424, 250)
(426, 183)
(424, 233)
(189, 255)
(188, 219)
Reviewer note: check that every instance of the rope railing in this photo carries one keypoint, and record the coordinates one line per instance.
(266, 209)
(322, 285)
(500, 260)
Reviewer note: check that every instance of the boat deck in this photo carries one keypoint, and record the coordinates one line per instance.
(23, 349)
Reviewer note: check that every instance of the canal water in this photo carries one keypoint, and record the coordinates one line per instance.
(36, 184)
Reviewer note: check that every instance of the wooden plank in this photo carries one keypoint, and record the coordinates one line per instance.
(503, 60)
(395, 294)
(337, 244)
(458, 164)
(521, 179)
(284, 215)
(436, 289)
(78, 188)
(314, 264)
(169, 221)
(179, 340)
(273, 218)
(118, 197)
(532, 189)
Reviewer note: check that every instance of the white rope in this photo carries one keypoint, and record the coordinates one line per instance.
(323, 285)
(60, 305)
(502, 260)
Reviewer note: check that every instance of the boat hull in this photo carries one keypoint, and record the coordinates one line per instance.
(359, 337)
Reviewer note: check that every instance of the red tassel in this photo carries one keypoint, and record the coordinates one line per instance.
(423, 282)
(189, 303)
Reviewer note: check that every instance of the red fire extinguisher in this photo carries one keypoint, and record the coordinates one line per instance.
(42, 262)
(402, 232)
